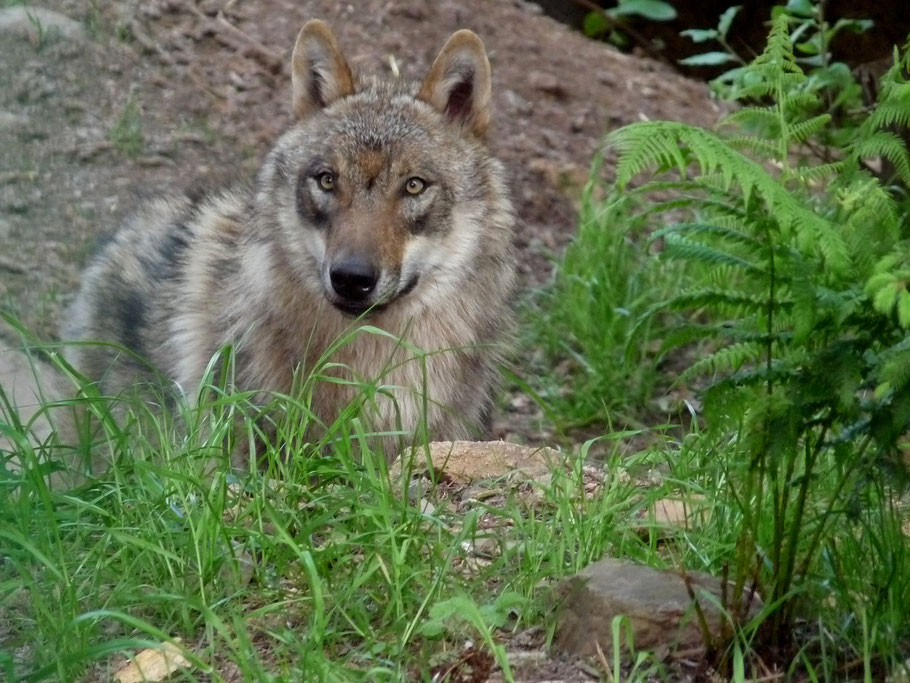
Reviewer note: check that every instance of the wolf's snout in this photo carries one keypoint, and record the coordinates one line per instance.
(354, 280)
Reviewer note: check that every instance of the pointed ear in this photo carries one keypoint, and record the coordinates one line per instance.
(319, 73)
(458, 84)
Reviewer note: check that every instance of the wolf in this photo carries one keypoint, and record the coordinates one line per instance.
(381, 210)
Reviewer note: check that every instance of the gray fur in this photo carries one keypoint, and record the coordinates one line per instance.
(249, 266)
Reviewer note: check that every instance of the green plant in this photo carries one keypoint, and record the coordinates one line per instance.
(450, 614)
(42, 35)
(811, 35)
(719, 34)
(126, 135)
(803, 340)
(609, 23)
(604, 281)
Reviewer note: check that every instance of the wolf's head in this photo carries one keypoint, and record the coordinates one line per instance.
(385, 194)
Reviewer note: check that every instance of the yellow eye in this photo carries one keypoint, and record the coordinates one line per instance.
(326, 181)
(415, 185)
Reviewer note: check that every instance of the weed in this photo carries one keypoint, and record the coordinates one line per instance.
(604, 281)
(809, 368)
(42, 35)
(127, 135)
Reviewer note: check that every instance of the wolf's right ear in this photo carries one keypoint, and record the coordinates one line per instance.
(319, 72)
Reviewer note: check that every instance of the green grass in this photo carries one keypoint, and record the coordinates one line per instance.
(127, 134)
(319, 565)
(317, 562)
(604, 282)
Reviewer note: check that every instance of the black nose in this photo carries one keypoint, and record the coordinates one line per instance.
(354, 279)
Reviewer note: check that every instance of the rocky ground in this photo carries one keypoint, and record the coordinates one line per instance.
(103, 103)
(130, 99)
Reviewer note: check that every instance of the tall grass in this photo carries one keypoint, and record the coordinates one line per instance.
(604, 282)
(319, 565)
(313, 564)
(791, 321)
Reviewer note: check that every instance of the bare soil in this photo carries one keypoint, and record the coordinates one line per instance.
(169, 94)
(166, 94)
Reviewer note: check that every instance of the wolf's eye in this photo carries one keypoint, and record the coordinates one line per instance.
(415, 185)
(326, 181)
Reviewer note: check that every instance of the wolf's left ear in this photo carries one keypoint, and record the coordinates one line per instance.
(458, 84)
(319, 72)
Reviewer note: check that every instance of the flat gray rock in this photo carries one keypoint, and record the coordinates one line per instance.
(11, 121)
(656, 603)
(38, 24)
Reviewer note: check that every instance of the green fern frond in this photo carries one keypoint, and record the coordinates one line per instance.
(799, 101)
(752, 376)
(832, 246)
(721, 300)
(727, 233)
(778, 55)
(805, 129)
(870, 218)
(669, 205)
(892, 112)
(730, 358)
(756, 146)
(678, 247)
(753, 117)
(895, 371)
(644, 145)
(885, 144)
(813, 174)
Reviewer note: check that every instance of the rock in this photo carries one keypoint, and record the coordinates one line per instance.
(465, 462)
(547, 83)
(677, 512)
(154, 664)
(656, 602)
(37, 24)
(11, 121)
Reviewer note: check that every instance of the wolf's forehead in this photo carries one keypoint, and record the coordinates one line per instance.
(381, 124)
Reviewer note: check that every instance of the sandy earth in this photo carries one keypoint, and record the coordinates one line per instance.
(134, 98)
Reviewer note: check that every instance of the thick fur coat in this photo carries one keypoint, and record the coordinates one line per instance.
(381, 206)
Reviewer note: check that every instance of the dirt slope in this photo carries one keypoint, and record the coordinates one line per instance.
(171, 93)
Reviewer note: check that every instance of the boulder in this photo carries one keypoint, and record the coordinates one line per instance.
(657, 604)
(37, 24)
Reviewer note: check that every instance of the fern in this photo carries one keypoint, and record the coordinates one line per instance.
(729, 358)
(800, 283)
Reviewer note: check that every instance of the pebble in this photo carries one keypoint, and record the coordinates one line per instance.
(37, 24)
(547, 83)
(11, 121)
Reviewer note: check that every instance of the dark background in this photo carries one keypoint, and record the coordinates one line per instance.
(749, 29)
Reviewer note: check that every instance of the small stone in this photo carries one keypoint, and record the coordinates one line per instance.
(38, 24)
(11, 121)
(409, 10)
(677, 512)
(517, 103)
(656, 603)
(466, 462)
(547, 83)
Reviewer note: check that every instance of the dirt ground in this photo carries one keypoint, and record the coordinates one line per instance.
(140, 97)
(168, 94)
